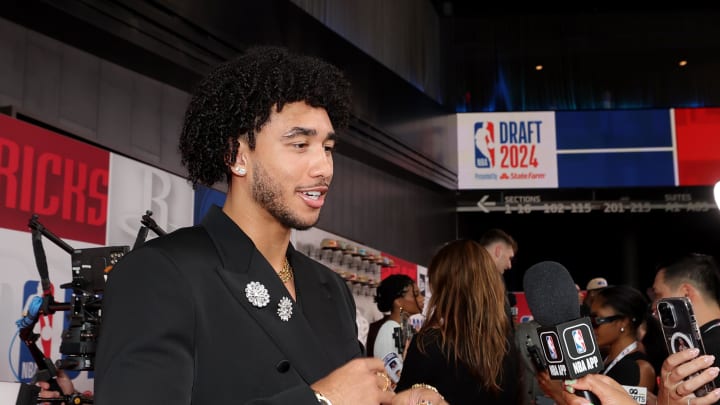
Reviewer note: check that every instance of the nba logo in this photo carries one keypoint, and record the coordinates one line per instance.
(551, 347)
(484, 137)
(579, 341)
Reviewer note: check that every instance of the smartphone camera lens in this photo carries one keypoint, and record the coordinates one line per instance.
(666, 314)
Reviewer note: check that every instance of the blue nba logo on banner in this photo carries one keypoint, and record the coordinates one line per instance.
(484, 145)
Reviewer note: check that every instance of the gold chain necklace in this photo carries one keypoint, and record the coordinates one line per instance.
(286, 274)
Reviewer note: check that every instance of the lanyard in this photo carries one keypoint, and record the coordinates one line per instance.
(629, 348)
(715, 324)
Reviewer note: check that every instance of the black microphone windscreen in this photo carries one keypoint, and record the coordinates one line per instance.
(551, 293)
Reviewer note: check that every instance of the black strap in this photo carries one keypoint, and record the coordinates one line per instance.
(27, 395)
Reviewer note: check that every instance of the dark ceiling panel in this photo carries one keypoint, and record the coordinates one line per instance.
(593, 57)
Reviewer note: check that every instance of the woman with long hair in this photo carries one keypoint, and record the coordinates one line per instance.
(465, 348)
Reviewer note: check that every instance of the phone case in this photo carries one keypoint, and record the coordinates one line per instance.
(681, 330)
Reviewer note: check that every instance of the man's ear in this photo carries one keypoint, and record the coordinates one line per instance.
(688, 290)
(239, 158)
(497, 251)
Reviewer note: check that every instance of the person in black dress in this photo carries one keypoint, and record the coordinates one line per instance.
(465, 348)
(617, 312)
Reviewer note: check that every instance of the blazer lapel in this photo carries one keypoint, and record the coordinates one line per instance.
(293, 337)
(243, 264)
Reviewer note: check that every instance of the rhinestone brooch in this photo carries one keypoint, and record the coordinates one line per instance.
(257, 294)
(284, 310)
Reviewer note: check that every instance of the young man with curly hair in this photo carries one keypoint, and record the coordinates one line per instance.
(228, 312)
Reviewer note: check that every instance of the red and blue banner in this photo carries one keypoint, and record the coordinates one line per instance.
(87, 197)
(589, 149)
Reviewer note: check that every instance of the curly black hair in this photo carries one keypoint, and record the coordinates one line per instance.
(234, 101)
(390, 288)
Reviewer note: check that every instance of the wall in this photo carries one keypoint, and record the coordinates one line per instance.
(130, 114)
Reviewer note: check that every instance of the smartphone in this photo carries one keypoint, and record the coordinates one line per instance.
(681, 330)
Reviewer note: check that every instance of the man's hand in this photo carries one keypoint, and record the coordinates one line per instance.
(360, 381)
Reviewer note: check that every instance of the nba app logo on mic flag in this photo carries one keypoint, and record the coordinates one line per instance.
(579, 341)
(570, 349)
(583, 356)
(552, 350)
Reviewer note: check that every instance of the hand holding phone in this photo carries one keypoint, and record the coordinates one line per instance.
(681, 330)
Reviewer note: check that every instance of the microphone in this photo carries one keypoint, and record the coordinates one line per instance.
(568, 342)
(550, 293)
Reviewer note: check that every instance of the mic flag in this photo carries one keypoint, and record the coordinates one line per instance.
(570, 349)
(393, 366)
(568, 341)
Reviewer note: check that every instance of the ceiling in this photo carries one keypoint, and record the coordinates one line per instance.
(593, 57)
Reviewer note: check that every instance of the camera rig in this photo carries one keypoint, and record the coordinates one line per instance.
(90, 267)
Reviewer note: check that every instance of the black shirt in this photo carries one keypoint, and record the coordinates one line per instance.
(627, 371)
(710, 333)
(453, 380)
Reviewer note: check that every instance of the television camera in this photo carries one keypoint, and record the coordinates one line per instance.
(90, 267)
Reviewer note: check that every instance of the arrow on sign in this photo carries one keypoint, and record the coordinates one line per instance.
(584, 207)
(483, 204)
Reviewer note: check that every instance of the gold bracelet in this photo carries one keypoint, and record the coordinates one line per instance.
(427, 387)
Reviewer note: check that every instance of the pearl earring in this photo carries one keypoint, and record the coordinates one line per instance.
(622, 329)
(241, 171)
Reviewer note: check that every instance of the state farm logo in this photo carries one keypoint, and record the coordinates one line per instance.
(484, 145)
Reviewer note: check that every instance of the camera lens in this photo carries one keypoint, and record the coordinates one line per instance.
(666, 314)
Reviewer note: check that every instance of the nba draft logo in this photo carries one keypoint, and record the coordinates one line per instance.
(551, 347)
(484, 145)
(579, 341)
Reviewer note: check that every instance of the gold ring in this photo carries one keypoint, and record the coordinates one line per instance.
(424, 402)
(387, 380)
(667, 378)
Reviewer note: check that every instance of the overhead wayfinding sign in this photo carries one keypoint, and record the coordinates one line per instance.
(529, 203)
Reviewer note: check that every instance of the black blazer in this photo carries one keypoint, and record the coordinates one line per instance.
(178, 328)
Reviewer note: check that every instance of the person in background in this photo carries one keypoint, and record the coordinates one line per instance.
(591, 289)
(399, 296)
(227, 311)
(616, 314)
(465, 347)
(697, 277)
(501, 246)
